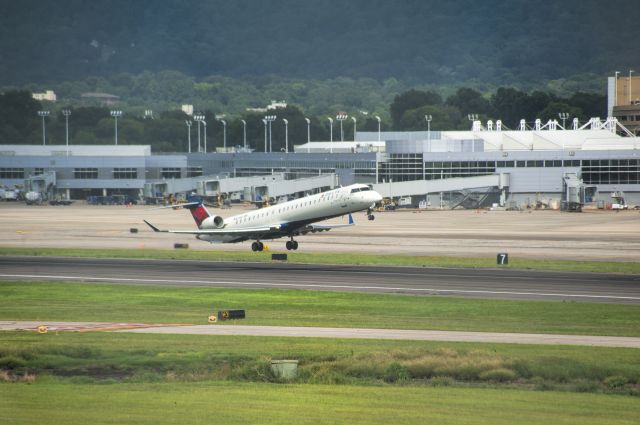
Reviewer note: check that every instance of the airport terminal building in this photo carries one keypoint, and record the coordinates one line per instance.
(438, 169)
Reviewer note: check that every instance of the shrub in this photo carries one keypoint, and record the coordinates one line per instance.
(498, 375)
(395, 372)
(12, 362)
(615, 382)
(442, 381)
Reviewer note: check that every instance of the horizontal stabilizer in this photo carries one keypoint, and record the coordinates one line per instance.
(154, 228)
(177, 206)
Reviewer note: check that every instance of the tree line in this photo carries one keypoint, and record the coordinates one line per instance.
(167, 131)
(422, 42)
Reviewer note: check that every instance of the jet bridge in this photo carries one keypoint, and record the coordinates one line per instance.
(465, 192)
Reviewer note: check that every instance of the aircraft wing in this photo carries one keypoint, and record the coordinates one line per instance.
(321, 227)
(237, 232)
(258, 230)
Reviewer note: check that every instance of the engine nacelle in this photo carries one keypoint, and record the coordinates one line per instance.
(218, 221)
(215, 222)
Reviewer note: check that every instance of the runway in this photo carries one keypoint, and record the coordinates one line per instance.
(480, 283)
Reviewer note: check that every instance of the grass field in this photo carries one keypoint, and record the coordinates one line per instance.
(341, 258)
(224, 402)
(159, 304)
(114, 378)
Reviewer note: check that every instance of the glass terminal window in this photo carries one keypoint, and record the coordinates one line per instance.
(85, 173)
(170, 173)
(11, 173)
(125, 173)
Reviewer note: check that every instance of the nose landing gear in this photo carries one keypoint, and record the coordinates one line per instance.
(370, 215)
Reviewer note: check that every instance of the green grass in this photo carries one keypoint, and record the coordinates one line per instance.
(339, 258)
(222, 402)
(124, 357)
(123, 303)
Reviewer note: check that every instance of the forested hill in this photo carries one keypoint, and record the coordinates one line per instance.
(418, 41)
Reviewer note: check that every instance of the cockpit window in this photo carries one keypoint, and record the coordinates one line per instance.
(357, 189)
(364, 189)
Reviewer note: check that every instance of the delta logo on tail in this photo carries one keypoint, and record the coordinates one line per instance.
(198, 212)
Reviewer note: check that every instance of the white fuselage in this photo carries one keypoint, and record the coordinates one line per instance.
(292, 214)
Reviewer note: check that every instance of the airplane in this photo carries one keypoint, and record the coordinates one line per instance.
(288, 219)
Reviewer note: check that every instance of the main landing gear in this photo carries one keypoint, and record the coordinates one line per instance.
(257, 246)
(292, 245)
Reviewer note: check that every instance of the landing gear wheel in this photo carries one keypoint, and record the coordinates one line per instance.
(294, 245)
(289, 245)
(260, 246)
(255, 247)
(371, 217)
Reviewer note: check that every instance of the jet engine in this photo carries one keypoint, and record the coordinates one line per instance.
(218, 221)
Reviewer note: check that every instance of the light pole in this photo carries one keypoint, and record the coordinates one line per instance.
(270, 119)
(615, 95)
(379, 120)
(224, 134)
(286, 135)
(199, 118)
(265, 134)
(473, 118)
(308, 134)
(66, 113)
(630, 71)
(43, 114)
(244, 133)
(188, 123)
(429, 118)
(354, 128)
(196, 118)
(115, 115)
(330, 134)
(563, 116)
(204, 141)
(341, 117)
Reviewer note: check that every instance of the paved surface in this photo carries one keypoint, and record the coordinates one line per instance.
(591, 235)
(504, 284)
(350, 333)
(55, 326)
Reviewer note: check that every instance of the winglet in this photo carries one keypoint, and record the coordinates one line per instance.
(155, 229)
(351, 219)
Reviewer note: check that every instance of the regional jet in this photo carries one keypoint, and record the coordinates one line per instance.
(285, 220)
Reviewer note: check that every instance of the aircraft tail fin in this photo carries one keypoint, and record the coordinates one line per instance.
(198, 211)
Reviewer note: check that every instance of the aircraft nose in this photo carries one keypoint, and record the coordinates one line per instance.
(376, 197)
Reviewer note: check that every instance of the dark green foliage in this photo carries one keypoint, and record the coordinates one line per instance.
(12, 363)
(395, 372)
(18, 117)
(411, 99)
(419, 41)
